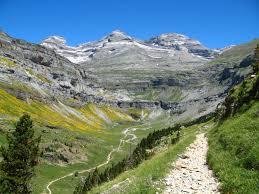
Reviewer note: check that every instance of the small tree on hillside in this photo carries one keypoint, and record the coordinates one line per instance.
(256, 58)
(19, 158)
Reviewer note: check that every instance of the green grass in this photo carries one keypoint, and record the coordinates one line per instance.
(96, 140)
(2, 139)
(96, 137)
(38, 76)
(89, 117)
(168, 94)
(146, 177)
(236, 54)
(99, 154)
(96, 147)
(234, 152)
(6, 62)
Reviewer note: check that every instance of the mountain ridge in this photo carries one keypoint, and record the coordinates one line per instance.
(124, 91)
(120, 72)
(177, 41)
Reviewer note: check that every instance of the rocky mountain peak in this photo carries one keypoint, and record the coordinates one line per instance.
(116, 36)
(55, 39)
(177, 38)
(54, 42)
(118, 42)
(172, 39)
(182, 42)
(4, 37)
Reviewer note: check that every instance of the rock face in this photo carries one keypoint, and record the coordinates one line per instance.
(84, 52)
(41, 71)
(182, 42)
(74, 54)
(172, 72)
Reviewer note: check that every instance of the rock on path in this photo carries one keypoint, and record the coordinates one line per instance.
(191, 173)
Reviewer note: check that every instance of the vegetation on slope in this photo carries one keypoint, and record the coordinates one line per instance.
(72, 138)
(233, 152)
(58, 115)
(163, 93)
(242, 94)
(146, 177)
(19, 158)
(236, 54)
(139, 154)
(143, 151)
(233, 144)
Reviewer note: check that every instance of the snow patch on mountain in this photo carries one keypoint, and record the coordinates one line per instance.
(221, 50)
(184, 43)
(117, 42)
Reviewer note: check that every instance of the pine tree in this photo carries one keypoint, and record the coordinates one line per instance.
(19, 158)
(256, 58)
(95, 177)
(88, 184)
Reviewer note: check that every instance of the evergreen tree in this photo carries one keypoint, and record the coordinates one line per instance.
(88, 184)
(256, 58)
(95, 177)
(19, 158)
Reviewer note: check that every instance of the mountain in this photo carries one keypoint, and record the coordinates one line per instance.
(91, 101)
(233, 143)
(233, 152)
(121, 71)
(182, 42)
(170, 68)
(84, 52)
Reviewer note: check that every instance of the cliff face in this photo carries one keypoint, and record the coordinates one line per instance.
(244, 93)
(122, 71)
(181, 42)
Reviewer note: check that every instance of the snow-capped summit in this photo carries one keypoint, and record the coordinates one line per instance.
(221, 50)
(117, 35)
(118, 42)
(170, 39)
(83, 52)
(182, 42)
(58, 44)
(54, 41)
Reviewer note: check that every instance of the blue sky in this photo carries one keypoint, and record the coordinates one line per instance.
(215, 23)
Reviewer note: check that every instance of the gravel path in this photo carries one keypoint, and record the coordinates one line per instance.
(191, 173)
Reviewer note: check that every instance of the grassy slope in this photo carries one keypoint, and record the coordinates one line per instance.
(236, 54)
(234, 152)
(67, 185)
(97, 139)
(145, 178)
(96, 136)
(234, 143)
(59, 115)
(97, 151)
(167, 94)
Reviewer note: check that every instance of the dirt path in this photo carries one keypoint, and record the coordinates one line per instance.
(127, 132)
(191, 173)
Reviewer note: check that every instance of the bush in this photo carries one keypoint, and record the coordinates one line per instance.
(252, 160)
